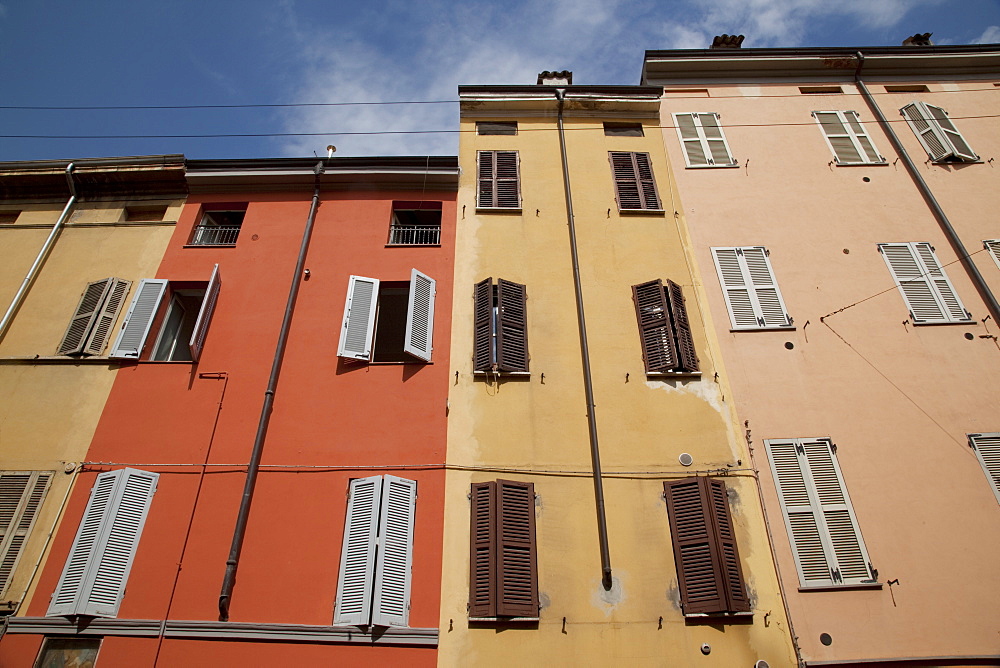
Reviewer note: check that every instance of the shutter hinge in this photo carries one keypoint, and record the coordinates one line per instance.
(833, 447)
(835, 573)
(799, 448)
(873, 571)
(739, 251)
(933, 250)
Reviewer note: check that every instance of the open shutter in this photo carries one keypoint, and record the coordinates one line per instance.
(959, 146)
(987, 447)
(634, 184)
(21, 495)
(512, 326)
(391, 605)
(847, 138)
(687, 357)
(86, 314)
(752, 294)
(482, 345)
(993, 246)
(938, 135)
(205, 314)
(926, 289)
(359, 318)
(729, 556)
(107, 316)
(483, 558)
(517, 582)
(499, 180)
(139, 318)
(652, 312)
(93, 580)
(357, 558)
(696, 549)
(420, 316)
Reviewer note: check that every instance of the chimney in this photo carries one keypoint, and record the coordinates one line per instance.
(564, 78)
(920, 39)
(727, 41)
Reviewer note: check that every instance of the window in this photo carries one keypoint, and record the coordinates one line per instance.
(95, 315)
(21, 495)
(752, 294)
(374, 584)
(939, 137)
(219, 227)
(822, 527)
(388, 321)
(993, 246)
(623, 130)
(69, 652)
(499, 180)
(709, 574)
(907, 88)
(415, 224)
(501, 327)
(182, 320)
(925, 287)
(93, 580)
(704, 142)
(145, 213)
(9, 217)
(847, 138)
(664, 329)
(503, 572)
(820, 90)
(987, 447)
(634, 184)
(496, 127)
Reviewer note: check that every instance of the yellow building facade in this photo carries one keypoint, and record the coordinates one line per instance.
(534, 395)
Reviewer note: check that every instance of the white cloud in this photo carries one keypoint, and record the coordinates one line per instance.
(990, 36)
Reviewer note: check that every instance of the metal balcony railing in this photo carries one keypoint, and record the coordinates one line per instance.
(414, 235)
(215, 235)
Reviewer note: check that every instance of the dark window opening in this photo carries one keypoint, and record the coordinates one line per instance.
(820, 90)
(415, 224)
(390, 323)
(907, 88)
(144, 213)
(219, 227)
(9, 217)
(80, 652)
(623, 130)
(178, 326)
(496, 127)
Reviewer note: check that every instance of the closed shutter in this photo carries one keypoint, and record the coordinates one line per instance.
(205, 314)
(357, 558)
(820, 519)
(512, 326)
(482, 345)
(21, 495)
(703, 140)
(499, 180)
(483, 557)
(987, 447)
(98, 338)
(93, 580)
(420, 316)
(926, 289)
(993, 246)
(751, 293)
(635, 187)
(359, 318)
(139, 318)
(83, 319)
(652, 312)
(517, 584)
(391, 604)
(709, 574)
(938, 135)
(847, 137)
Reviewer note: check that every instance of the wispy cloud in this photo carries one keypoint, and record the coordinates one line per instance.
(990, 36)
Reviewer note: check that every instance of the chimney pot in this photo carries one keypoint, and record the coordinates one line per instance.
(920, 39)
(563, 78)
(727, 41)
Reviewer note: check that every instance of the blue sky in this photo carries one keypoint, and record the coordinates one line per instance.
(267, 52)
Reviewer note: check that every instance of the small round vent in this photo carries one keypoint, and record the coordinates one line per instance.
(685, 459)
(762, 664)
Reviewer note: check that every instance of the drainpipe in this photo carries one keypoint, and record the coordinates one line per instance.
(239, 533)
(29, 279)
(588, 381)
(956, 243)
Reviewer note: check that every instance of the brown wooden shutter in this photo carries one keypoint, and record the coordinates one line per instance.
(517, 583)
(487, 180)
(482, 569)
(652, 312)
(634, 184)
(86, 313)
(499, 182)
(647, 185)
(708, 568)
(107, 316)
(687, 357)
(482, 346)
(512, 326)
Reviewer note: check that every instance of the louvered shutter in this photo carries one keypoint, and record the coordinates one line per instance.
(926, 289)
(205, 314)
(695, 152)
(420, 316)
(822, 526)
(86, 314)
(987, 447)
(634, 184)
(655, 332)
(499, 180)
(958, 144)
(993, 246)
(751, 293)
(112, 306)
(847, 138)
(359, 318)
(709, 574)
(512, 326)
(482, 345)
(355, 583)
(21, 495)
(703, 140)
(391, 604)
(483, 557)
(517, 582)
(93, 580)
(938, 135)
(687, 357)
(139, 318)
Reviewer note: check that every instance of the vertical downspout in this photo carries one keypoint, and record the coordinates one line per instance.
(588, 382)
(932, 203)
(15, 304)
(225, 596)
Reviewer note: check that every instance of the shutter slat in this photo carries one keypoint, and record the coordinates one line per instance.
(420, 316)
(391, 604)
(517, 585)
(512, 326)
(359, 318)
(482, 346)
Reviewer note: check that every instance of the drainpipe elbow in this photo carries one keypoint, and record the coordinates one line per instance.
(69, 179)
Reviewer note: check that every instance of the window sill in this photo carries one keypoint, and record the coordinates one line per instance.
(883, 163)
(504, 620)
(674, 374)
(842, 587)
(498, 209)
(717, 615)
(943, 322)
(522, 374)
(648, 212)
(781, 328)
(735, 164)
(413, 245)
(232, 245)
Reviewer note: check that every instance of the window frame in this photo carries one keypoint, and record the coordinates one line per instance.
(665, 336)
(395, 225)
(201, 231)
(919, 114)
(853, 136)
(701, 140)
(752, 287)
(489, 185)
(939, 288)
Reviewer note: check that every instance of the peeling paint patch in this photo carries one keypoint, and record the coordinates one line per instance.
(543, 600)
(607, 600)
(674, 595)
(706, 390)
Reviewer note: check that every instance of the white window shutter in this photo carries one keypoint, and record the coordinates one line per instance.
(846, 137)
(420, 316)
(703, 140)
(107, 316)
(938, 135)
(987, 447)
(929, 294)
(695, 152)
(391, 605)
(205, 314)
(751, 293)
(86, 313)
(357, 557)
(139, 318)
(359, 318)
(955, 139)
(993, 246)
(715, 139)
(94, 577)
(21, 495)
